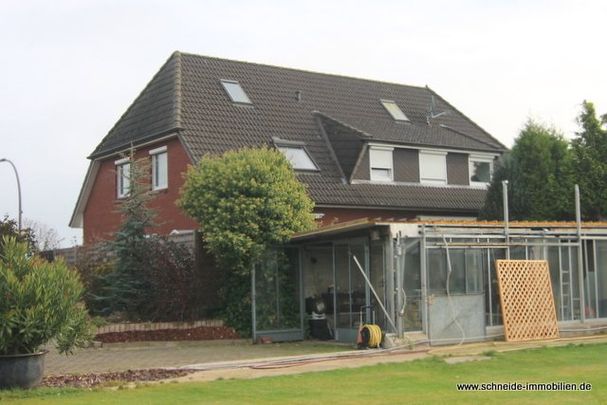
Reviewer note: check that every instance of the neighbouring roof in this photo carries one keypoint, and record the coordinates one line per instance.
(186, 97)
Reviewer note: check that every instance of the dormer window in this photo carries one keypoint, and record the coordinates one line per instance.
(394, 110)
(235, 91)
(381, 163)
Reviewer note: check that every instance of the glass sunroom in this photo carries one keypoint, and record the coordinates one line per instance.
(435, 280)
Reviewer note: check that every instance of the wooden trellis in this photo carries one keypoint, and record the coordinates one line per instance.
(527, 302)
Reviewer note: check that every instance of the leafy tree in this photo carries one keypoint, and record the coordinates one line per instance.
(539, 173)
(246, 201)
(10, 229)
(590, 158)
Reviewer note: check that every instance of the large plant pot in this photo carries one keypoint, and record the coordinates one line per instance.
(21, 370)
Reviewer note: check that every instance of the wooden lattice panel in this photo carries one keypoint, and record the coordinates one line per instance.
(527, 302)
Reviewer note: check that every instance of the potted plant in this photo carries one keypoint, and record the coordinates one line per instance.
(39, 302)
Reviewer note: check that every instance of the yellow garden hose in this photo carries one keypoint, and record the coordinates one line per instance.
(374, 334)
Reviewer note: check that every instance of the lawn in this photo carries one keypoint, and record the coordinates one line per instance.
(423, 381)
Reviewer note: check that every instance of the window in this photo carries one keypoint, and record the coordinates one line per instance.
(235, 92)
(298, 157)
(159, 168)
(480, 169)
(381, 163)
(394, 110)
(123, 177)
(432, 167)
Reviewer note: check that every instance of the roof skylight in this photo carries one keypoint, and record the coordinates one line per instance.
(298, 157)
(394, 110)
(235, 92)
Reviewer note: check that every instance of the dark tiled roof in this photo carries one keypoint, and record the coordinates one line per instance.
(186, 96)
(154, 112)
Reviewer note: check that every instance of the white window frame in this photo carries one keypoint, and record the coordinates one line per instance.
(481, 159)
(378, 164)
(155, 153)
(123, 183)
(423, 177)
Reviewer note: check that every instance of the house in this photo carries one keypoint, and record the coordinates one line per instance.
(364, 148)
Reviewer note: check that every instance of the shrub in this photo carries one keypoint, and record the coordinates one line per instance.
(39, 301)
(162, 287)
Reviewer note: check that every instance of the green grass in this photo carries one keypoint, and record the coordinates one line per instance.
(423, 381)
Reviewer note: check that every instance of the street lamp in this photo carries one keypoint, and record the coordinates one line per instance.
(18, 188)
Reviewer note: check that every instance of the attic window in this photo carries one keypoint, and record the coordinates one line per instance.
(299, 157)
(235, 91)
(381, 163)
(394, 110)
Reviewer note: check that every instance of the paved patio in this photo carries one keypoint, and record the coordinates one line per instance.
(139, 355)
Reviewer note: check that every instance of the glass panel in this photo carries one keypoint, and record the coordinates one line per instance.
(437, 271)
(412, 313)
(481, 172)
(160, 170)
(235, 92)
(342, 286)
(124, 179)
(377, 277)
(394, 110)
(590, 285)
(475, 268)
(277, 291)
(601, 271)
(298, 157)
(381, 174)
(493, 306)
(559, 277)
(318, 279)
(457, 279)
(357, 284)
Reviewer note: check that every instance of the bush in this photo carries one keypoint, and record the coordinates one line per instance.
(162, 287)
(39, 301)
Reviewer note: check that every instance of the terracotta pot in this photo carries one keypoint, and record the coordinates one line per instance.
(21, 370)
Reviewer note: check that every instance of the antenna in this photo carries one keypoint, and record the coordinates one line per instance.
(432, 114)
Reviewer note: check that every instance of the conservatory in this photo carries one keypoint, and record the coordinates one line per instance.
(435, 279)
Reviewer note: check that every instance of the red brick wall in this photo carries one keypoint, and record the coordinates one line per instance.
(101, 215)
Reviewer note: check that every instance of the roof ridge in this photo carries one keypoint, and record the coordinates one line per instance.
(302, 70)
(178, 87)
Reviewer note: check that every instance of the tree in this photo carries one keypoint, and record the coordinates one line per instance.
(246, 202)
(10, 229)
(590, 158)
(127, 287)
(540, 177)
(46, 237)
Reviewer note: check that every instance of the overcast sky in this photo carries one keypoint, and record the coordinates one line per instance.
(69, 69)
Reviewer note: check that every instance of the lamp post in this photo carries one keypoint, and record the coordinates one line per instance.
(18, 188)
